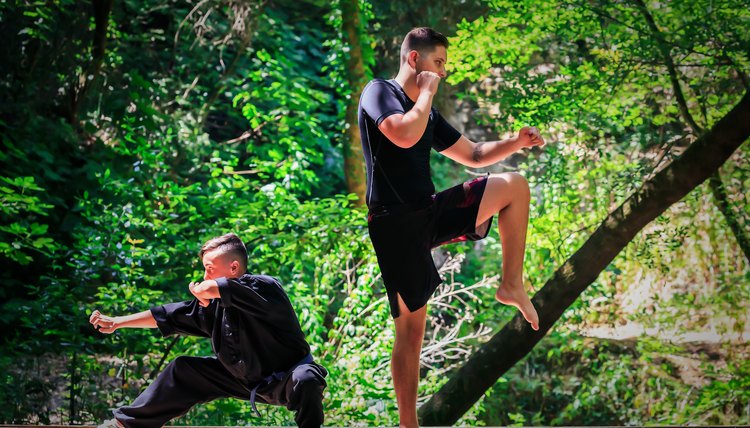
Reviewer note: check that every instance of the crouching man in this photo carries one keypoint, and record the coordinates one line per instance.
(261, 352)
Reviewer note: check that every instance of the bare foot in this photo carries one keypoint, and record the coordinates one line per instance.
(515, 295)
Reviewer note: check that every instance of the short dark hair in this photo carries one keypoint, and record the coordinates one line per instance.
(227, 244)
(422, 40)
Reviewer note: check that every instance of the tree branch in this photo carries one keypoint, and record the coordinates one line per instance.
(722, 203)
(102, 9)
(244, 19)
(157, 369)
(663, 47)
(516, 339)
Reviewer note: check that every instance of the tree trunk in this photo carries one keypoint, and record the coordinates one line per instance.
(102, 10)
(516, 339)
(354, 169)
(722, 203)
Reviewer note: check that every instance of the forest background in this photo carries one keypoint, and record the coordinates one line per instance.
(133, 131)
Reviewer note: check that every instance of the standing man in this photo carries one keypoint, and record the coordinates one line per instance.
(261, 352)
(407, 219)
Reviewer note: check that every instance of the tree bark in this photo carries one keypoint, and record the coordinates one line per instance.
(516, 339)
(722, 203)
(102, 10)
(354, 170)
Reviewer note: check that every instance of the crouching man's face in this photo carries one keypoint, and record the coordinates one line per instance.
(220, 265)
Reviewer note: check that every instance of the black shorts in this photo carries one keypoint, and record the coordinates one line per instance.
(403, 237)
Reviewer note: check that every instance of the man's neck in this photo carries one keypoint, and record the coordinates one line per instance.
(237, 275)
(408, 81)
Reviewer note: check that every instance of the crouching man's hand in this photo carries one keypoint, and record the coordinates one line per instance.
(103, 323)
(205, 291)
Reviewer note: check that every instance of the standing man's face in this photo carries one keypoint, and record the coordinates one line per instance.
(433, 61)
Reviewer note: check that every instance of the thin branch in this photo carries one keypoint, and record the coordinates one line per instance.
(179, 27)
(164, 356)
(244, 17)
(668, 61)
(722, 202)
(602, 14)
(243, 172)
(255, 132)
(191, 87)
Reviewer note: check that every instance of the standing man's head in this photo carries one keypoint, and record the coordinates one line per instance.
(424, 49)
(224, 256)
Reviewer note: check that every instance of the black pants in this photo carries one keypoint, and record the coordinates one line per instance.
(187, 381)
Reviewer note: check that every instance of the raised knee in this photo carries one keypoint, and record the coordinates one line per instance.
(517, 179)
(512, 181)
(518, 182)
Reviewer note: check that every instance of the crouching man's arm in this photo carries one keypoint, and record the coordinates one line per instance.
(107, 324)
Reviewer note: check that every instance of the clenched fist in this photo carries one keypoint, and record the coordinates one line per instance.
(529, 136)
(103, 323)
(204, 291)
(428, 81)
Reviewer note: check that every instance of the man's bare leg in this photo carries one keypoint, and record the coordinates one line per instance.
(508, 195)
(410, 328)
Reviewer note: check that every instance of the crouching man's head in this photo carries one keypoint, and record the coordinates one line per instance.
(224, 256)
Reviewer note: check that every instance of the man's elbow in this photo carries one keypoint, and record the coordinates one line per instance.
(406, 142)
(400, 134)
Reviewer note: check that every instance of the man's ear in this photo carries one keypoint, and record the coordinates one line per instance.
(234, 266)
(411, 58)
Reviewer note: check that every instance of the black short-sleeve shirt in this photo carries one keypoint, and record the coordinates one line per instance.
(253, 328)
(398, 176)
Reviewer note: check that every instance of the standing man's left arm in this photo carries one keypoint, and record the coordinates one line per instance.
(478, 155)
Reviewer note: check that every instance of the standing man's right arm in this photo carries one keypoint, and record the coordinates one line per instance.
(108, 325)
(405, 130)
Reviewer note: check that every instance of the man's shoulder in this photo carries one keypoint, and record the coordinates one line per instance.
(380, 80)
(380, 83)
(265, 281)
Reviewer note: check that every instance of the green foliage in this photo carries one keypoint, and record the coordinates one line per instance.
(217, 116)
(19, 207)
(278, 94)
(597, 68)
(123, 199)
(572, 380)
(593, 76)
